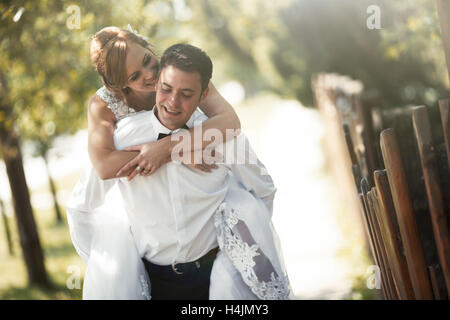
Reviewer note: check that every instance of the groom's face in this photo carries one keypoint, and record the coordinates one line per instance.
(178, 94)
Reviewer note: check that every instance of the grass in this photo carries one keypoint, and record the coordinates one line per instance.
(60, 258)
(354, 250)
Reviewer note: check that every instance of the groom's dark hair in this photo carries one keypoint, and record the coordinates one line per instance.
(190, 59)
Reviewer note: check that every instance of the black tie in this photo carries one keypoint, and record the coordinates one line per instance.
(163, 135)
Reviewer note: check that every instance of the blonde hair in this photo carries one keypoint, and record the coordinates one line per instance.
(109, 48)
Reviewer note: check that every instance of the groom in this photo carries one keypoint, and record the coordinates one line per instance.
(179, 216)
(171, 212)
(183, 84)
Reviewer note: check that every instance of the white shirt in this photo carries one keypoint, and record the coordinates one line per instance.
(171, 211)
(170, 215)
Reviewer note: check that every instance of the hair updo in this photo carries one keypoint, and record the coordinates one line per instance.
(109, 48)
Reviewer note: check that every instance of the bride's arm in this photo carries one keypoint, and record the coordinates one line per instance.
(220, 113)
(221, 116)
(105, 159)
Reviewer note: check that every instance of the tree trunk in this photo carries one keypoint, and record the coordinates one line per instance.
(6, 226)
(28, 233)
(51, 183)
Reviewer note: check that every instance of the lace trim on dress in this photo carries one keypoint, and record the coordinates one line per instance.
(242, 255)
(117, 106)
(145, 287)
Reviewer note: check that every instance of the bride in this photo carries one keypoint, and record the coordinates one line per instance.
(99, 226)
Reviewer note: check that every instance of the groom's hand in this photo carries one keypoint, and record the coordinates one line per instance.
(206, 164)
(203, 167)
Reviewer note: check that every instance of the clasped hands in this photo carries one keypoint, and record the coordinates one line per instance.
(153, 155)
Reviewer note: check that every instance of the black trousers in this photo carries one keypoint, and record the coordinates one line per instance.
(187, 281)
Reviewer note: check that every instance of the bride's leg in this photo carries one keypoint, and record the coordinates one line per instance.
(249, 242)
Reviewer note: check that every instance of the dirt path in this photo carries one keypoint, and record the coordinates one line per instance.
(287, 138)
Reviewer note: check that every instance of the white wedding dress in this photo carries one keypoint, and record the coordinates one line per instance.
(248, 266)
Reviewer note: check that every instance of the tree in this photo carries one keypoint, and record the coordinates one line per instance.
(6, 227)
(279, 45)
(36, 77)
(46, 79)
(28, 234)
(42, 148)
(60, 109)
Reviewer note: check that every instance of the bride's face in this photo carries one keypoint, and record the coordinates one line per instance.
(142, 69)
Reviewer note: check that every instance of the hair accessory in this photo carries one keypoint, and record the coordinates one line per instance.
(136, 33)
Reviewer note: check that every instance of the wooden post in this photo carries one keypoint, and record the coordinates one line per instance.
(434, 282)
(363, 107)
(444, 107)
(436, 205)
(443, 8)
(405, 215)
(371, 241)
(336, 149)
(373, 203)
(351, 150)
(392, 237)
(377, 254)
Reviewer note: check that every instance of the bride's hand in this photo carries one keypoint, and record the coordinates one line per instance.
(152, 155)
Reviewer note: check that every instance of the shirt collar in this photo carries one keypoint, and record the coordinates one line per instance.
(160, 128)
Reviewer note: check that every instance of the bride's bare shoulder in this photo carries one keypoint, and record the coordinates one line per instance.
(98, 108)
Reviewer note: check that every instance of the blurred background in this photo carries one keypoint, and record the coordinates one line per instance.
(265, 54)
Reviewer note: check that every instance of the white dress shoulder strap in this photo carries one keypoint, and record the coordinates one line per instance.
(117, 106)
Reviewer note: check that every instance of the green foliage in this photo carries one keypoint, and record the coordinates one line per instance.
(280, 45)
(45, 58)
(413, 42)
(265, 44)
(360, 291)
(47, 68)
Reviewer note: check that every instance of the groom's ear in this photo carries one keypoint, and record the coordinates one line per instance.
(204, 94)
